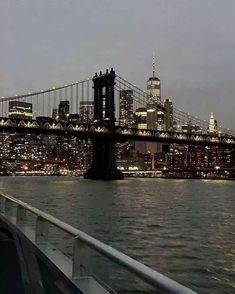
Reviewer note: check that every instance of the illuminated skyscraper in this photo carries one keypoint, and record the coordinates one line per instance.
(168, 115)
(87, 111)
(155, 113)
(126, 108)
(212, 128)
(154, 86)
(140, 121)
(140, 118)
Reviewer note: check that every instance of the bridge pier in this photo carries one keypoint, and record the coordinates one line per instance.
(104, 165)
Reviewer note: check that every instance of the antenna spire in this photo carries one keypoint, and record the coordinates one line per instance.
(153, 65)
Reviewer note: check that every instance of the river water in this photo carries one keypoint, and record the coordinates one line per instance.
(184, 229)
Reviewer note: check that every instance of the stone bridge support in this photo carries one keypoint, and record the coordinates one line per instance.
(104, 165)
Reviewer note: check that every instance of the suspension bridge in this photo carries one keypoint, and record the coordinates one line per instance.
(97, 101)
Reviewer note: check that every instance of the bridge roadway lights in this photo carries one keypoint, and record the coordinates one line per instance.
(104, 165)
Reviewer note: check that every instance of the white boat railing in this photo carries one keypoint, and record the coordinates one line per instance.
(160, 282)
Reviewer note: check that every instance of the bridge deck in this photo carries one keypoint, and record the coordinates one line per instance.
(116, 134)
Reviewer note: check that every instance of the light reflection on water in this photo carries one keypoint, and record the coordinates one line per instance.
(182, 228)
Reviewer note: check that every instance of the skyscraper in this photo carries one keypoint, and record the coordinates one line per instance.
(64, 110)
(155, 113)
(154, 86)
(212, 128)
(140, 121)
(126, 108)
(87, 111)
(168, 116)
(140, 118)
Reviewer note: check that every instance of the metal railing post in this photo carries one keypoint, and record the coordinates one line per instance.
(20, 214)
(78, 258)
(8, 207)
(42, 228)
(2, 204)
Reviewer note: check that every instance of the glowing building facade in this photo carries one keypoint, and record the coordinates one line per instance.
(18, 109)
(126, 108)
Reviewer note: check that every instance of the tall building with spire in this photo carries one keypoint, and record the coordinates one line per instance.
(155, 113)
(212, 128)
(154, 86)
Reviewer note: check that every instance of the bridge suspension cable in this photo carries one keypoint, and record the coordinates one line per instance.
(53, 89)
(44, 101)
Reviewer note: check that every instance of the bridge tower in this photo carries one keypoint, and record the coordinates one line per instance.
(104, 165)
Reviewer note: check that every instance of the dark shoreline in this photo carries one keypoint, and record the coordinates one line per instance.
(184, 178)
(164, 177)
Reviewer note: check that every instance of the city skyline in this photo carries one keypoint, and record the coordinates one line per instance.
(194, 60)
(117, 146)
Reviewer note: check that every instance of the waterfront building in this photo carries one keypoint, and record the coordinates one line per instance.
(228, 160)
(63, 110)
(126, 108)
(176, 156)
(218, 157)
(232, 158)
(5, 140)
(19, 109)
(87, 111)
(199, 156)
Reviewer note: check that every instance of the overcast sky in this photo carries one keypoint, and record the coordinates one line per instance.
(46, 43)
